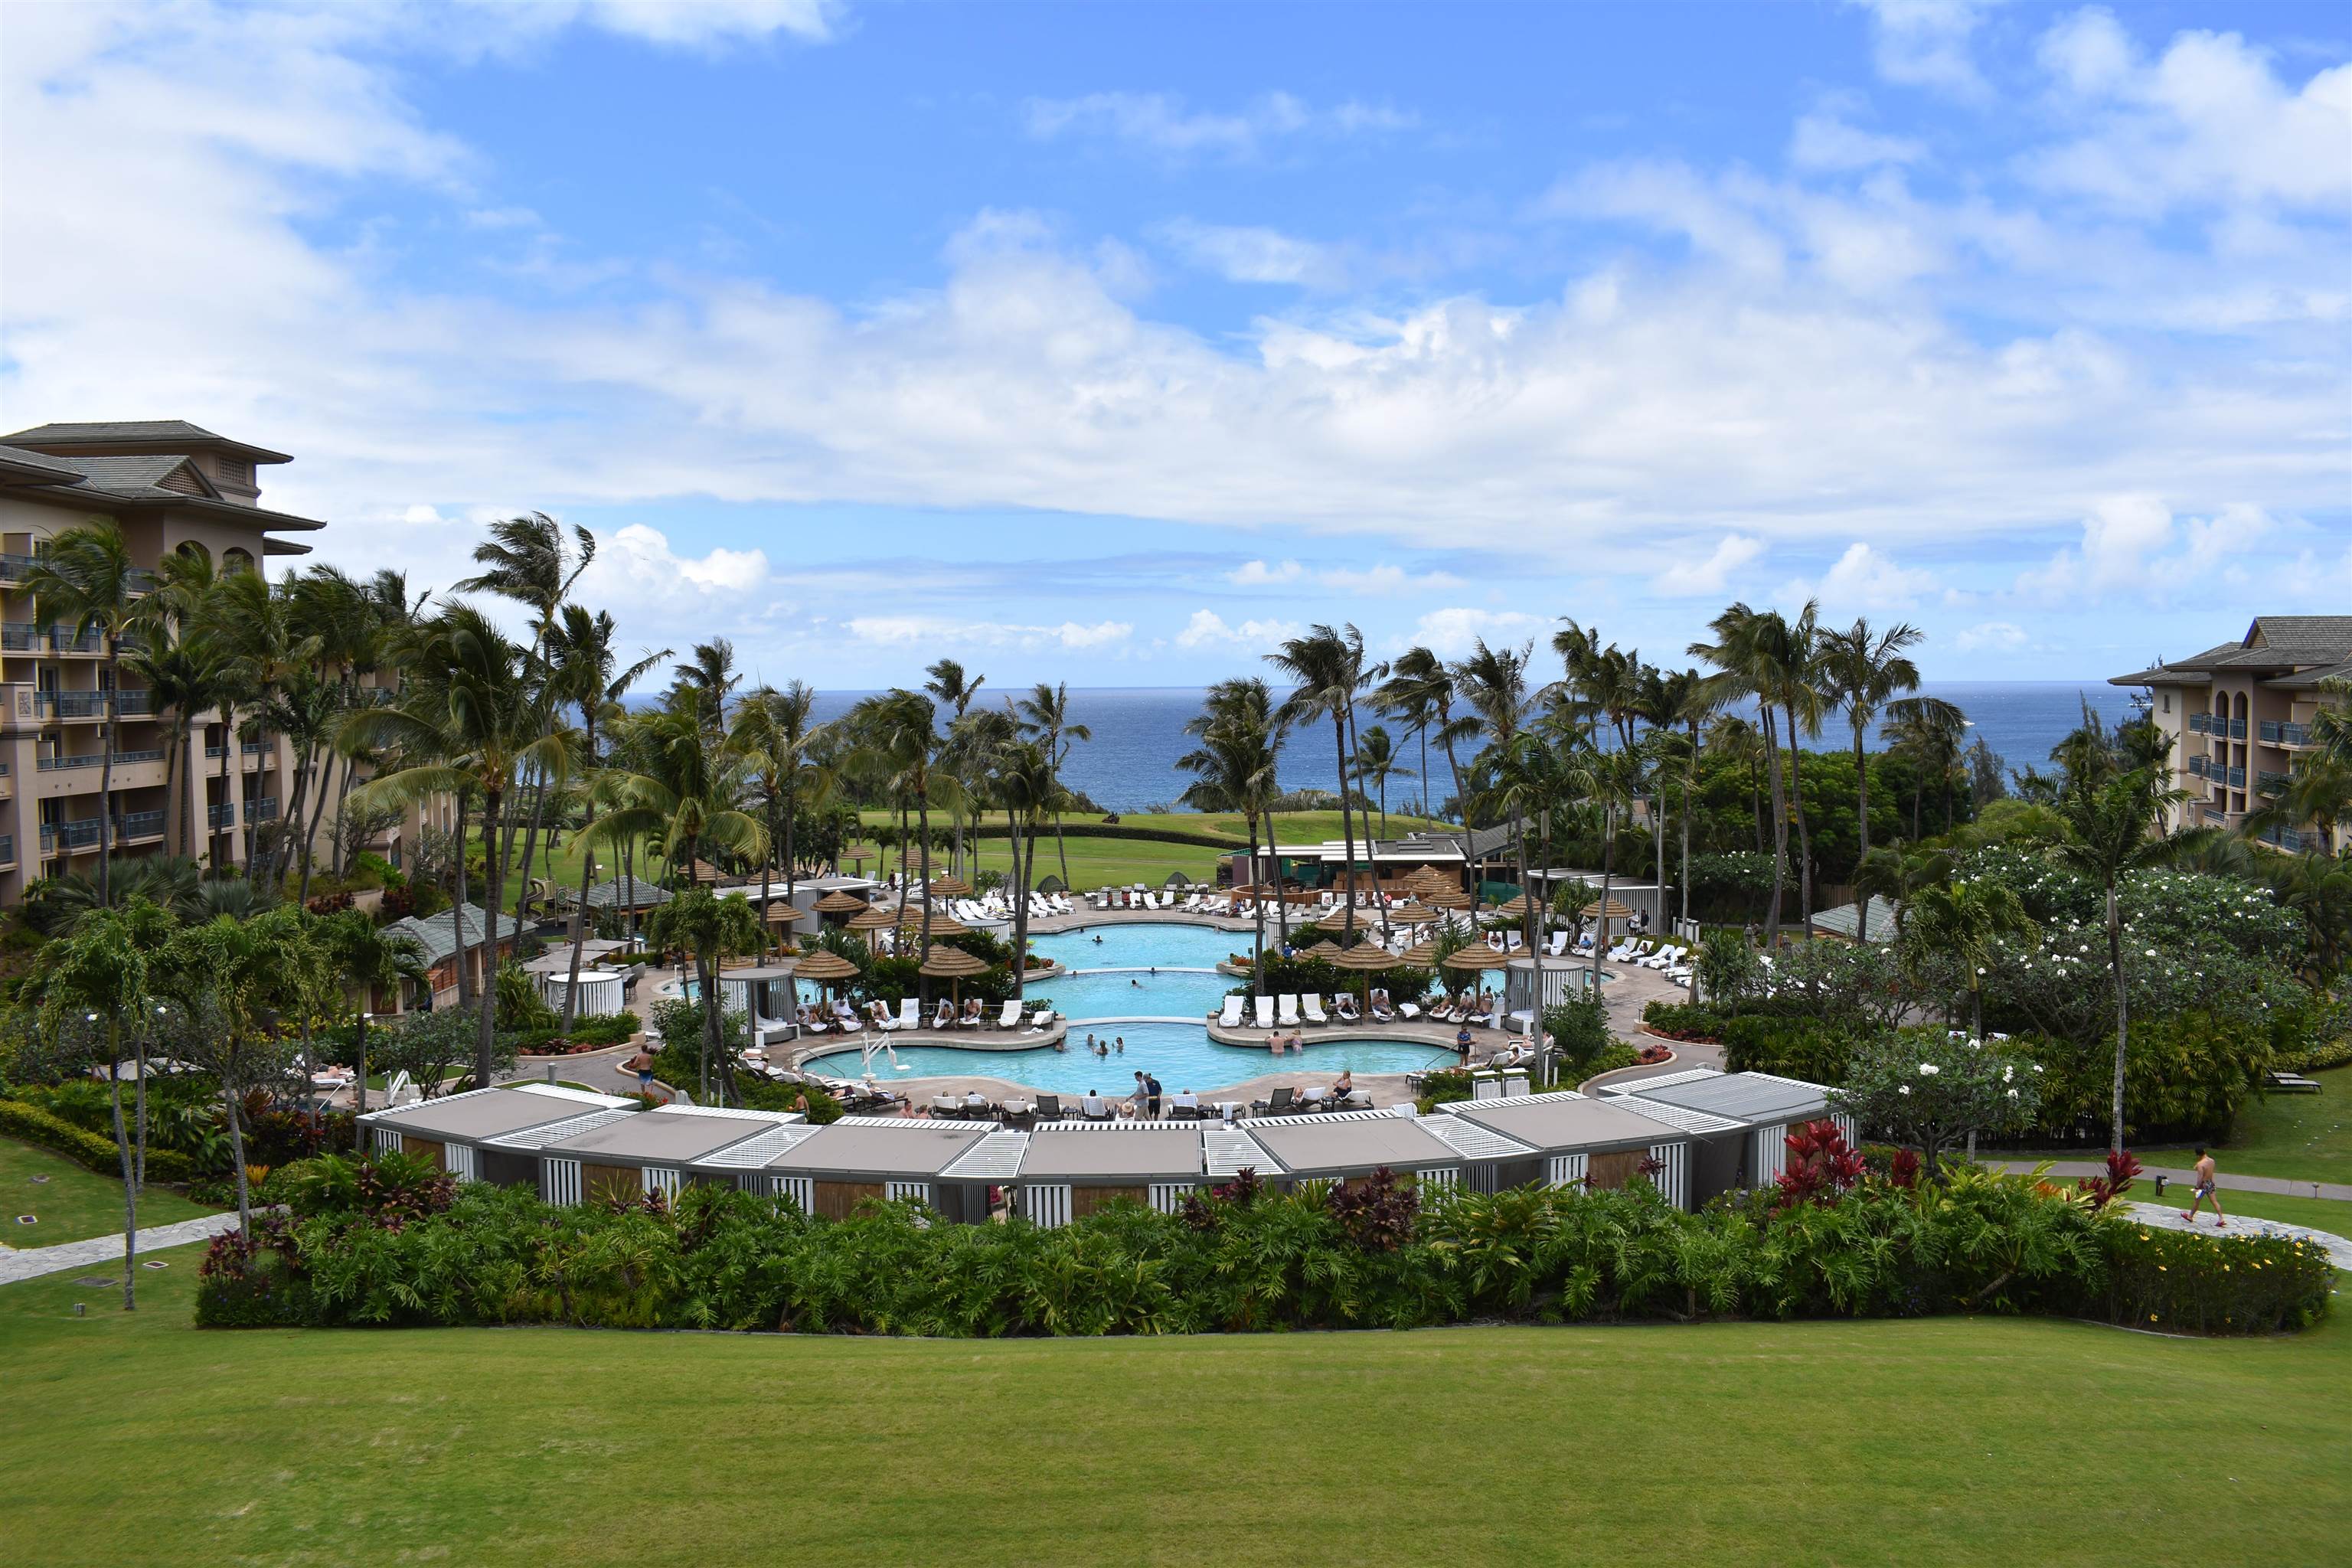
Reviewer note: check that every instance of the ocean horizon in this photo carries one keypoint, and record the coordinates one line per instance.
(1138, 732)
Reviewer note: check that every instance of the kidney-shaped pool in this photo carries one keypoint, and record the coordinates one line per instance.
(1180, 1056)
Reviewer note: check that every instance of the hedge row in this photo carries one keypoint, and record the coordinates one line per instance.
(102, 1154)
(1114, 830)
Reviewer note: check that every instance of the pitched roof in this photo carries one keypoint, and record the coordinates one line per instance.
(438, 933)
(2290, 644)
(139, 482)
(136, 432)
(23, 466)
(1844, 918)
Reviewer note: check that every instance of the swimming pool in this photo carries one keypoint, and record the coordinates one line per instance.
(1135, 993)
(1180, 1055)
(1142, 946)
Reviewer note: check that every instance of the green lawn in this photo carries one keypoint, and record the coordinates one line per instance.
(74, 1203)
(2320, 1213)
(1943, 1441)
(2301, 1137)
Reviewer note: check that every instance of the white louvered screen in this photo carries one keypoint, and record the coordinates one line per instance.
(918, 1191)
(559, 1181)
(1565, 1170)
(1169, 1196)
(1046, 1204)
(1444, 1176)
(1673, 1181)
(662, 1179)
(1771, 1155)
(1847, 1125)
(387, 1141)
(802, 1190)
(459, 1157)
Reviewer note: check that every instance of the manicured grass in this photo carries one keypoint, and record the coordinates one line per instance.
(1941, 1441)
(2320, 1213)
(2299, 1136)
(74, 1203)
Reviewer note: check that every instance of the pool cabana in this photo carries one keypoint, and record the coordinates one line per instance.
(1762, 1108)
(1070, 1170)
(1598, 1144)
(1348, 1146)
(484, 1135)
(838, 1166)
(654, 1152)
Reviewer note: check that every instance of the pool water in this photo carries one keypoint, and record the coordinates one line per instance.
(1180, 1055)
(1143, 945)
(1135, 993)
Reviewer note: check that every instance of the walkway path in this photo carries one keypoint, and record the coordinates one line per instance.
(2164, 1217)
(99, 1251)
(2279, 1186)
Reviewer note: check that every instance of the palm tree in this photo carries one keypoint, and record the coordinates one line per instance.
(1376, 763)
(772, 729)
(709, 677)
(2111, 829)
(1864, 672)
(1927, 731)
(699, 921)
(1744, 650)
(263, 650)
(366, 957)
(1967, 917)
(1421, 691)
(1234, 769)
(1525, 777)
(1493, 683)
(585, 671)
(949, 686)
(1045, 716)
(1327, 666)
(88, 581)
(899, 744)
(466, 721)
(1021, 773)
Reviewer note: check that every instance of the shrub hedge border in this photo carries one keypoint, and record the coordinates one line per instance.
(103, 1155)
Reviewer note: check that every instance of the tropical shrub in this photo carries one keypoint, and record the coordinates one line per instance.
(98, 1151)
(1684, 1020)
(1934, 1091)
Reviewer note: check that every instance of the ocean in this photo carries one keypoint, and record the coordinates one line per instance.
(1138, 733)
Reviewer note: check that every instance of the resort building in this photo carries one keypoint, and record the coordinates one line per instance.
(170, 485)
(2239, 717)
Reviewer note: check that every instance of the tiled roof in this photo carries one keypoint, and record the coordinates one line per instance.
(438, 933)
(139, 479)
(2289, 643)
(132, 432)
(38, 468)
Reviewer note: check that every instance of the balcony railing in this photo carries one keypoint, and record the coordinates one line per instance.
(142, 825)
(14, 567)
(83, 833)
(7, 849)
(2237, 730)
(19, 637)
(2237, 777)
(2201, 723)
(92, 704)
(98, 759)
(262, 809)
(2268, 781)
(2288, 840)
(2200, 765)
(250, 748)
(2294, 735)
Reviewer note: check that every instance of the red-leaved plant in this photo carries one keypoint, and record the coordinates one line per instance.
(1904, 1169)
(1377, 1213)
(1821, 1164)
(2103, 1190)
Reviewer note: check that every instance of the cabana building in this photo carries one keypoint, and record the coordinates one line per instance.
(491, 1134)
(649, 1153)
(837, 1166)
(1598, 1144)
(1761, 1106)
(1347, 1146)
(1066, 1171)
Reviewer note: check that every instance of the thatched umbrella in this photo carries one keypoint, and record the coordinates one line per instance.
(1446, 898)
(1513, 907)
(841, 901)
(1420, 955)
(1474, 958)
(1412, 915)
(953, 964)
(951, 887)
(1326, 950)
(1364, 958)
(911, 918)
(824, 968)
(1612, 910)
(872, 919)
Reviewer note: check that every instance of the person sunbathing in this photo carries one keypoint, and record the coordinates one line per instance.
(971, 1014)
(1346, 1006)
(1380, 1009)
(943, 1016)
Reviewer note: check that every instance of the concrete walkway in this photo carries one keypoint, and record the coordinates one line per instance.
(2278, 1186)
(2164, 1217)
(100, 1251)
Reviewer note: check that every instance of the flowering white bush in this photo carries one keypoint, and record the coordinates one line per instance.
(1930, 1089)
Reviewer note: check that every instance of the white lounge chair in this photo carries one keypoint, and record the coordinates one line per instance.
(1262, 1011)
(1010, 1017)
(1558, 942)
(1344, 1006)
(1314, 1008)
(1287, 1011)
(1042, 1019)
(1232, 1017)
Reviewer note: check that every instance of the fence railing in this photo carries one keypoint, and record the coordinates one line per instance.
(96, 760)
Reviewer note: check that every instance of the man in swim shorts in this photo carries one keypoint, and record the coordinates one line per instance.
(2206, 1193)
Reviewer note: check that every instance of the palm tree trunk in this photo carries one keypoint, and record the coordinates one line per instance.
(1861, 822)
(2122, 1014)
(496, 871)
(456, 920)
(176, 841)
(767, 887)
(1257, 909)
(228, 744)
(1804, 833)
(1020, 901)
(236, 1157)
(791, 815)
(1779, 828)
(1608, 862)
(1421, 730)
(580, 924)
(130, 1176)
(1347, 827)
(1690, 791)
(318, 815)
(923, 824)
(1453, 766)
(359, 1079)
(106, 771)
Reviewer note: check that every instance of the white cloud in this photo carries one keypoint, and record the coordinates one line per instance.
(905, 631)
(1163, 122)
(1451, 633)
(1826, 139)
(707, 22)
(1381, 580)
(1208, 629)
(1867, 579)
(1258, 574)
(2127, 552)
(1710, 576)
(1993, 636)
(1924, 43)
(2207, 122)
(1254, 255)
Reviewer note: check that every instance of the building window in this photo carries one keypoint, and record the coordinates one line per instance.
(237, 560)
(2168, 701)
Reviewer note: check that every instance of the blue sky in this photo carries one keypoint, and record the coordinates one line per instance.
(1109, 343)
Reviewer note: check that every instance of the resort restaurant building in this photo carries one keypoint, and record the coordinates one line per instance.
(836, 1167)
(1761, 1108)
(1348, 1146)
(1598, 1144)
(1064, 1171)
(652, 1152)
(491, 1134)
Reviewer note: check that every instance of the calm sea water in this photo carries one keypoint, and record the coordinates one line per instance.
(1138, 733)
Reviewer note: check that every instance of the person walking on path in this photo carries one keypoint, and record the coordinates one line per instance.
(2205, 1190)
(641, 1064)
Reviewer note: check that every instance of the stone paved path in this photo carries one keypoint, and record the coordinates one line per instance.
(2279, 1186)
(102, 1251)
(2164, 1217)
